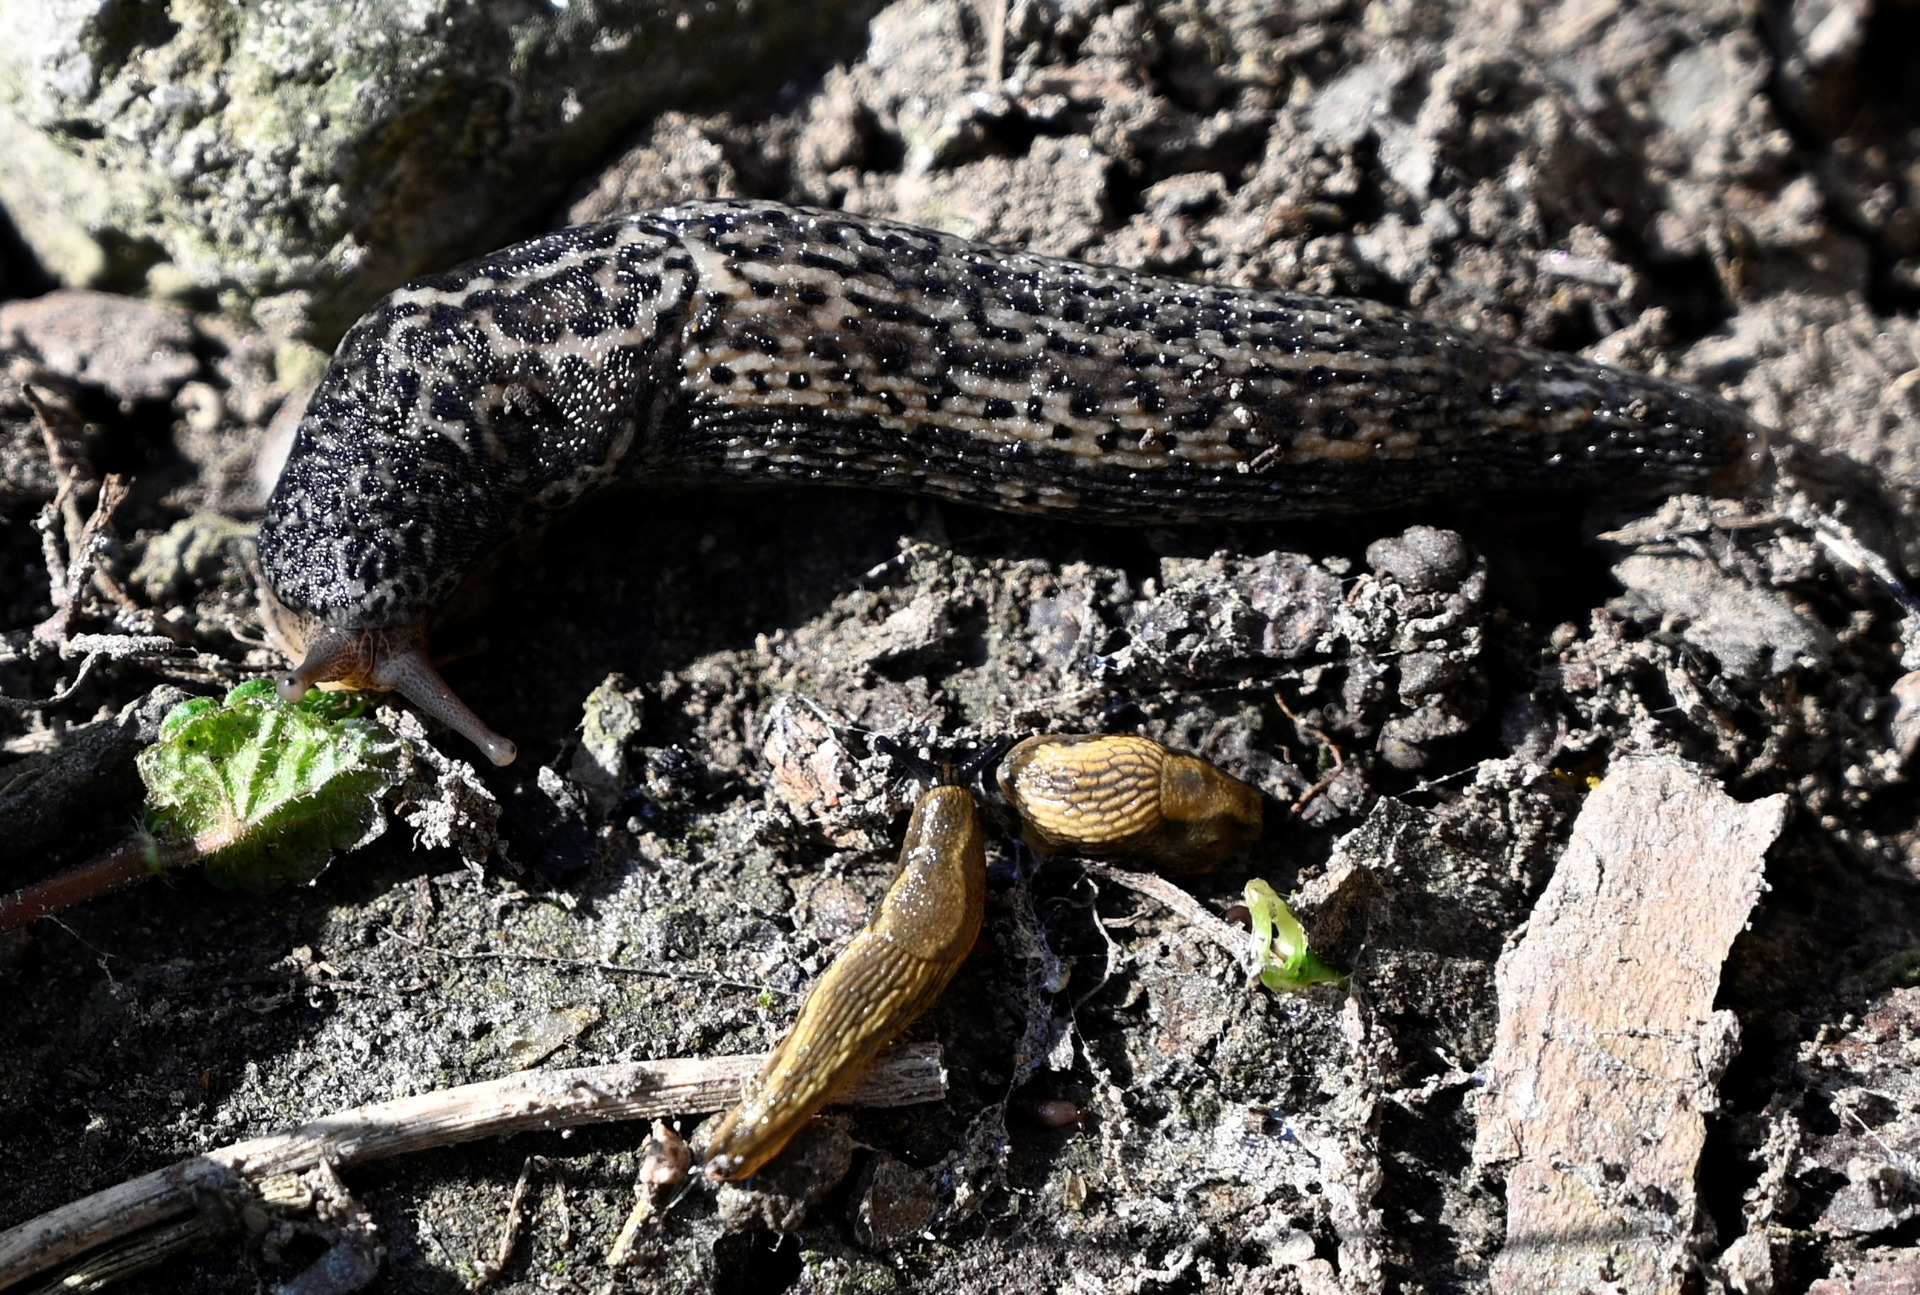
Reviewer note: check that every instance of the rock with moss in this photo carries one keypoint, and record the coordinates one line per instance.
(300, 158)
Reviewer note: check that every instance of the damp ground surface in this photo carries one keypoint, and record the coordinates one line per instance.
(1425, 701)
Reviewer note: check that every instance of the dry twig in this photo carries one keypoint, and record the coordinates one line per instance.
(1339, 760)
(488, 1270)
(536, 1101)
(1222, 932)
(85, 540)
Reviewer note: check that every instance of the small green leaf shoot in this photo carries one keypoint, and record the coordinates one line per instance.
(262, 791)
(1280, 944)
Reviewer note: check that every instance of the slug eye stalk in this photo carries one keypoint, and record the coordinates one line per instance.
(391, 661)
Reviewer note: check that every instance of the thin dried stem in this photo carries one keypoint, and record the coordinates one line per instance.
(1222, 932)
(535, 1101)
(1339, 760)
(128, 864)
(36, 703)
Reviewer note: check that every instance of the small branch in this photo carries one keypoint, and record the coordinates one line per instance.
(51, 551)
(72, 551)
(665, 1160)
(1222, 932)
(996, 18)
(1339, 761)
(83, 555)
(123, 866)
(35, 703)
(487, 1270)
(66, 479)
(98, 648)
(120, 647)
(532, 1102)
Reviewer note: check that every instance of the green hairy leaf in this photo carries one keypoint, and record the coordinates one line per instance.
(267, 791)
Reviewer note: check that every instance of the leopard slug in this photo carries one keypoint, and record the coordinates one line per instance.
(880, 984)
(753, 341)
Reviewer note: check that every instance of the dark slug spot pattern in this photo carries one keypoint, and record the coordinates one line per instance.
(750, 340)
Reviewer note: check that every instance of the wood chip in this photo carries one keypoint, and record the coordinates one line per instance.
(1608, 1047)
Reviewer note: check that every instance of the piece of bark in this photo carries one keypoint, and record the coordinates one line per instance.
(1608, 1047)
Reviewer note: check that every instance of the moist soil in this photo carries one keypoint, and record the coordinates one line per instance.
(1700, 192)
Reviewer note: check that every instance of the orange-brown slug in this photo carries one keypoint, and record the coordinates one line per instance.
(878, 986)
(1122, 795)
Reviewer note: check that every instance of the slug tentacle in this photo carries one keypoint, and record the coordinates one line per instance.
(390, 661)
(410, 673)
(333, 656)
(753, 341)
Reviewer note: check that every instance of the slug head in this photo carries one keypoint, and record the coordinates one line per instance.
(1206, 814)
(390, 660)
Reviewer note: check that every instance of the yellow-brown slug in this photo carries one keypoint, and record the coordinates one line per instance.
(1123, 795)
(880, 984)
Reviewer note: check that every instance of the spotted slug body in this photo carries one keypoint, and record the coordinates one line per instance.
(753, 341)
(880, 984)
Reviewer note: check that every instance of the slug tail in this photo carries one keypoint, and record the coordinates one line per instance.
(396, 661)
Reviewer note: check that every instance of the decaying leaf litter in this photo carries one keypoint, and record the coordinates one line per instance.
(1681, 191)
